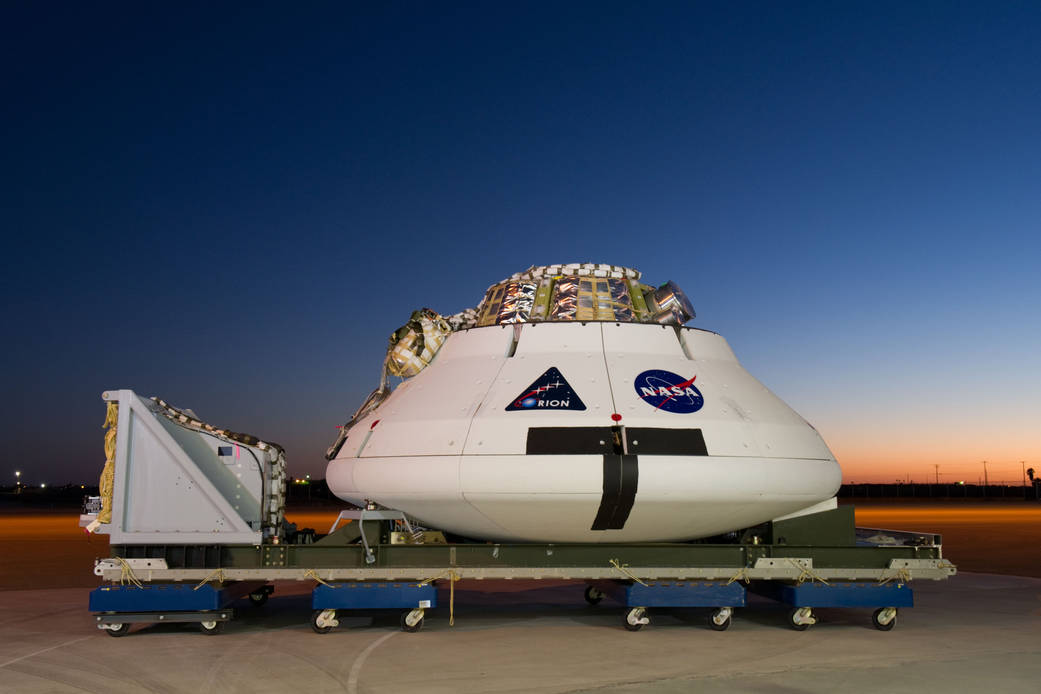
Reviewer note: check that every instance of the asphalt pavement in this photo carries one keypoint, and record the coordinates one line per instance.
(972, 633)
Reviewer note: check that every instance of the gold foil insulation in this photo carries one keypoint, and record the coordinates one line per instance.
(108, 473)
(579, 291)
(508, 302)
(413, 345)
(591, 299)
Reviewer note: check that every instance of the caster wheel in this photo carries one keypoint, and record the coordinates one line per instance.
(323, 621)
(800, 618)
(258, 598)
(593, 596)
(212, 628)
(416, 624)
(118, 630)
(720, 619)
(884, 613)
(636, 619)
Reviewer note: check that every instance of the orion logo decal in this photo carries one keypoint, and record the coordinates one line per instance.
(550, 391)
(667, 391)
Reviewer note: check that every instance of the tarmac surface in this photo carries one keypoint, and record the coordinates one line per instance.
(975, 632)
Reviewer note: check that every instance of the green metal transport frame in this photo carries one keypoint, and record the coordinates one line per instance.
(821, 547)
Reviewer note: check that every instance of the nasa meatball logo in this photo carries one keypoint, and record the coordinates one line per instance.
(550, 391)
(667, 391)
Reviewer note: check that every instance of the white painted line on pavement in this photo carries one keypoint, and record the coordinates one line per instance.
(352, 678)
(44, 650)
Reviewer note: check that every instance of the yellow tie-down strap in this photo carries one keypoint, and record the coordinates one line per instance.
(453, 576)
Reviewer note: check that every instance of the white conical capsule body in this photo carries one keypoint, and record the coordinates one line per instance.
(585, 432)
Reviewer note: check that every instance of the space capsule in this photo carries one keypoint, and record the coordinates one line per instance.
(573, 405)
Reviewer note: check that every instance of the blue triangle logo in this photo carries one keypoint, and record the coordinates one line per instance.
(550, 391)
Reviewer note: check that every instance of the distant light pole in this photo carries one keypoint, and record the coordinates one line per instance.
(17, 481)
(986, 483)
(1023, 464)
(937, 466)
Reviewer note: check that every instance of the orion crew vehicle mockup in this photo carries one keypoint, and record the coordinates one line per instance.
(572, 405)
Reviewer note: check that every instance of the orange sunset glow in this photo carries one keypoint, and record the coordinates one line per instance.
(912, 452)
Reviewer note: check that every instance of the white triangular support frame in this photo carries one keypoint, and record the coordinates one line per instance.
(238, 530)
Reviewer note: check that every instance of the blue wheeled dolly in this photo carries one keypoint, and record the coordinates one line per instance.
(803, 597)
(415, 598)
(638, 597)
(115, 608)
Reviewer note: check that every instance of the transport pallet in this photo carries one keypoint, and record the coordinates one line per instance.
(116, 607)
(640, 577)
(328, 598)
(802, 598)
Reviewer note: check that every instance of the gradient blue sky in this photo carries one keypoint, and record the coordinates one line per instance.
(231, 207)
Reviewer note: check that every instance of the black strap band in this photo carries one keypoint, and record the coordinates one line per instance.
(621, 478)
